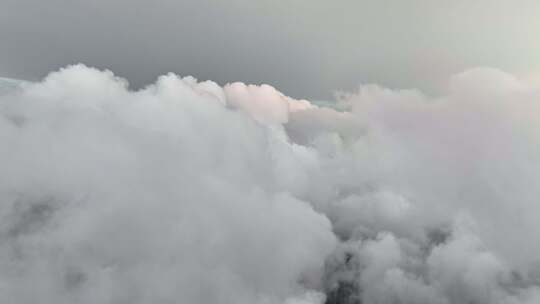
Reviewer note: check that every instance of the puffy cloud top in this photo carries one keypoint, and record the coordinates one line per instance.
(186, 191)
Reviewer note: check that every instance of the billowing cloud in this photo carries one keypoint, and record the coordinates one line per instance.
(161, 195)
(186, 191)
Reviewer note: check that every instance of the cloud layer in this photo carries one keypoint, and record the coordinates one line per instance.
(189, 192)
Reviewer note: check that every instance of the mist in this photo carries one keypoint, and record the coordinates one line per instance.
(188, 192)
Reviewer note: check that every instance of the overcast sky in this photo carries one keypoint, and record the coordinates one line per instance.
(306, 48)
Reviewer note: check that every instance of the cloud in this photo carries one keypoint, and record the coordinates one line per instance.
(159, 195)
(188, 191)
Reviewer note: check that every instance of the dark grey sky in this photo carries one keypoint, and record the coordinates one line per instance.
(306, 48)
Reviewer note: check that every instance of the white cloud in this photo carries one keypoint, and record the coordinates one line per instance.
(187, 191)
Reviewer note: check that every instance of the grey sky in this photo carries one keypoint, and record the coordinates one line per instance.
(306, 48)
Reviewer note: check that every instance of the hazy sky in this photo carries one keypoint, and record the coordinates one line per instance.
(306, 48)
